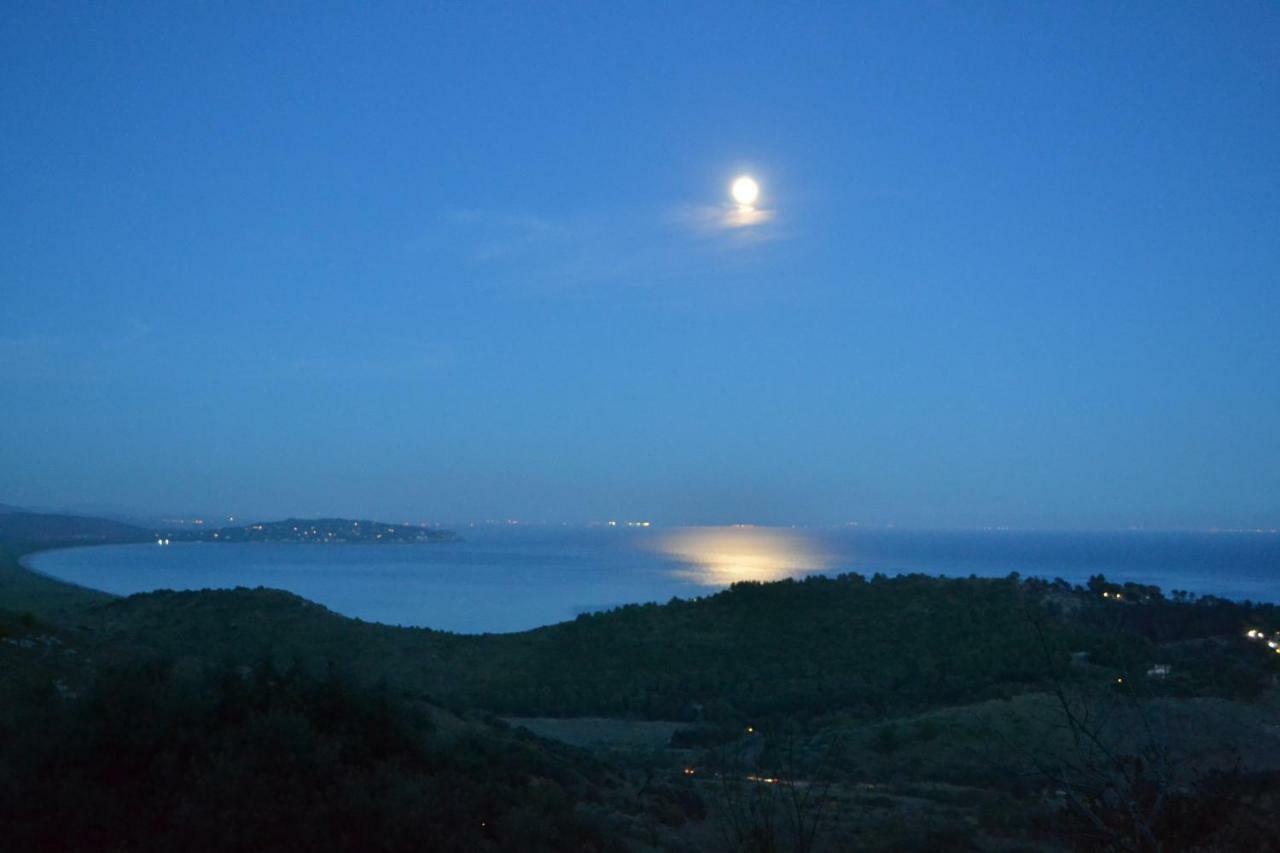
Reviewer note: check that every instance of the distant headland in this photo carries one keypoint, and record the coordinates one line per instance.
(322, 531)
(46, 530)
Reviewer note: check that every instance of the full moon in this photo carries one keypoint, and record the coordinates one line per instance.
(745, 191)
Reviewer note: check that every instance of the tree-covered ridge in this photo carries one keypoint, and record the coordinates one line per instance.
(849, 645)
(867, 647)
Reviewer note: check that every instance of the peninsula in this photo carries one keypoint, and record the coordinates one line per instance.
(329, 531)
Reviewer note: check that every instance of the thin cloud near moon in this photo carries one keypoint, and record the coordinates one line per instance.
(742, 216)
(734, 215)
(711, 219)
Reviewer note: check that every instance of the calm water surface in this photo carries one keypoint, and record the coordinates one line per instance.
(511, 579)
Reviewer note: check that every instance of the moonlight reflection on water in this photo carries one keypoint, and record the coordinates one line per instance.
(719, 556)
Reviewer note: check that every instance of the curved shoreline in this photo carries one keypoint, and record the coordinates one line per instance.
(24, 562)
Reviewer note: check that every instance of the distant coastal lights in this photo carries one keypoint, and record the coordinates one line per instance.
(1272, 641)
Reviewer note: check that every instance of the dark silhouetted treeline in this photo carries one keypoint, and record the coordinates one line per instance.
(862, 647)
(153, 757)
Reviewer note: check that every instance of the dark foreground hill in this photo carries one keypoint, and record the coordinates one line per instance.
(110, 745)
(843, 713)
(164, 757)
(862, 648)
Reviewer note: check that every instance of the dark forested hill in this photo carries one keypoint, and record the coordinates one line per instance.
(850, 645)
(160, 755)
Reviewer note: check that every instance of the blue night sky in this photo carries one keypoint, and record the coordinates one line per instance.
(1011, 264)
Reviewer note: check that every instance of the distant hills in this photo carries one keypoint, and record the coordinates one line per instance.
(324, 531)
(47, 529)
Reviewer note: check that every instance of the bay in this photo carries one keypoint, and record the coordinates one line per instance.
(512, 578)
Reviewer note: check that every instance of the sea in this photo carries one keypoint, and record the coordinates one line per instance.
(504, 578)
